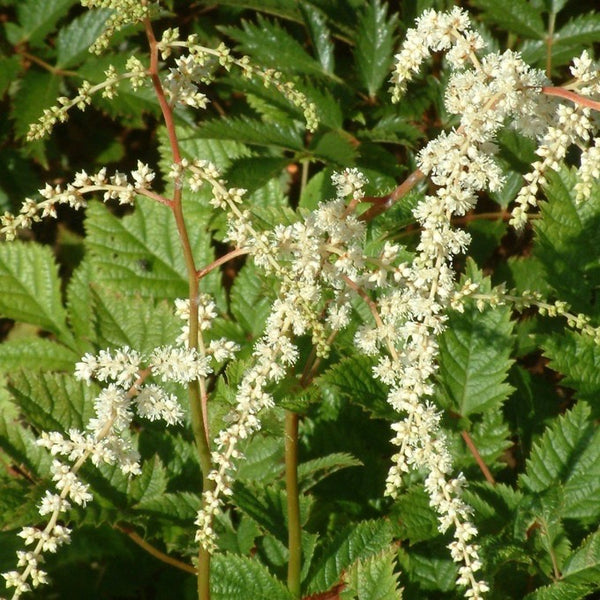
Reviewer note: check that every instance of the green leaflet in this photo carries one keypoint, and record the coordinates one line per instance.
(475, 356)
(253, 132)
(517, 16)
(37, 18)
(236, 577)
(578, 358)
(35, 353)
(373, 578)
(151, 484)
(30, 288)
(53, 401)
(315, 470)
(74, 39)
(427, 571)
(153, 325)
(37, 92)
(19, 444)
(356, 542)
(320, 36)
(374, 45)
(268, 43)
(141, 253)
(352, 378)
(566, 242)
(568, 454)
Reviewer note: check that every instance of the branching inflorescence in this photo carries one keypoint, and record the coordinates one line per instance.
(322, 266)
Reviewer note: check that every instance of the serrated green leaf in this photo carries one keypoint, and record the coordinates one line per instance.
(253, 132)
(34, 353)
(415, 518)
(475, 356)
(236, 577)
(263, 459)
(374, 45)
(334, 147)
(251, 298)
(30, 288)
(313, 471)
(517, 16)
(74, 39)
(356, 542)
(80, 308)
(150, 484)
(320, 36)
(559, 591)
(173, 506)
(38, 17)
(9, 69)
(427, 571)
(569, 454)
(152, 327)
(38, 90)
(53, 401)
(272, 46)
(19, 444)
(255, 172)
(566, 242)
(583, 566)
(141, 253)
(577, 357)
(352, 378)
(373, 578)
(583, 29)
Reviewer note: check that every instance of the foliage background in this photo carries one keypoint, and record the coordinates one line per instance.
(524, 389)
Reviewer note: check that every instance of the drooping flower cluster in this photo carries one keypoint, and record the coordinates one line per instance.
(299, 255)
(106, 439)
(119, 187)
(200, 64)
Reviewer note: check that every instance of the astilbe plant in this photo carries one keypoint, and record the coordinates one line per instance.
(326, 270)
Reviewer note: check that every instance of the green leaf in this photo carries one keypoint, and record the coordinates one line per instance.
(30, 288)
(565, 242)
(53, 401)
(427, 571)
(334, 147)
(236, 577)
(374, 45)
(579, 31)
(317, 469)
(153, 326)
(517, 16)
(10, 66)
(173, 506)
(34, 353)
(251, 298)
(150, 484)
(80, 308)
(38, 17)
(415, 518)
(569, 454)
(320, 36)
(263, 459)
(272, 46)
(38, 90)
(475, 356)
(373, 578)
(73, 40)
(583, 566)
(253, 132)
(255, 172)
(577, 357)
(141, 253)
(352, 378)
(356, 542)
